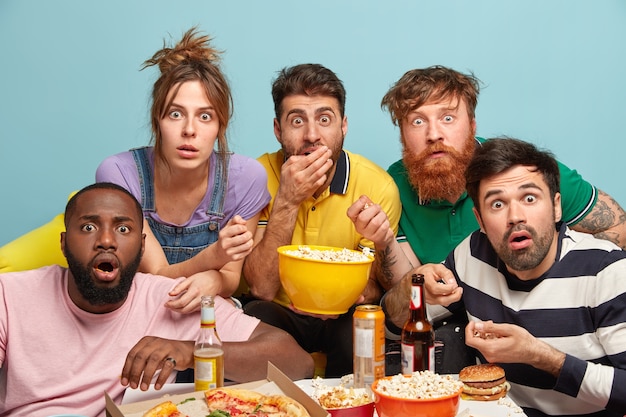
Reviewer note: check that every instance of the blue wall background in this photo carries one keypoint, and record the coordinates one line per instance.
(71, 92)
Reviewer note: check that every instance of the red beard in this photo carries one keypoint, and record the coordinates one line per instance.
(442, 178)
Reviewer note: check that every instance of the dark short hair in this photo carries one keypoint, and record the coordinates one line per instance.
(310, 80)
(71, 204)
(496, 155)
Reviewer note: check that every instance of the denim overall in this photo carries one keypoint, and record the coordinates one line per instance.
(182, 243)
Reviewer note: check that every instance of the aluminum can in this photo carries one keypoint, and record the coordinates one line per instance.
(369, 345)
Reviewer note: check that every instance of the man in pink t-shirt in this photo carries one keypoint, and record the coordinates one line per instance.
(69, 335)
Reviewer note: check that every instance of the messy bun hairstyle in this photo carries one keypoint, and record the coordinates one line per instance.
(191, 59)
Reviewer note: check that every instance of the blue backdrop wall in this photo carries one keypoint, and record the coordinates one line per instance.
(71, 92)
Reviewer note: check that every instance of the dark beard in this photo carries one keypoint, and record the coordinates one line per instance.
(442, 179)
(98, 296)
(524, 259)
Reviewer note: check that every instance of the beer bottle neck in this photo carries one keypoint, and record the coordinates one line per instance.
(207, 317)
(417, 309)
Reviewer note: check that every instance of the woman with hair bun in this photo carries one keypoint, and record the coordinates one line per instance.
(201, 203)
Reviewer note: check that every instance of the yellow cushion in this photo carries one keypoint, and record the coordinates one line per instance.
(37, 248)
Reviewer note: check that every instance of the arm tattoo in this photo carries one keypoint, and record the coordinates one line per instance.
(385, 264)
(599, 219)
(607, 220)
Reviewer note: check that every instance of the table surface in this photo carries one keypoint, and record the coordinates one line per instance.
(504, 407)
(501, 408)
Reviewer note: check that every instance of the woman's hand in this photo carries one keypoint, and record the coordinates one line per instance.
(191, 290)
(234, 243)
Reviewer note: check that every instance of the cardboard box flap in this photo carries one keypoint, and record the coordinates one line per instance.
(292, 390)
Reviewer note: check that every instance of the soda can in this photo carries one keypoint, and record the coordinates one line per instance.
(369, 344)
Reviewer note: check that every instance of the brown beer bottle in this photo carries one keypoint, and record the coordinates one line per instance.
(418, 336)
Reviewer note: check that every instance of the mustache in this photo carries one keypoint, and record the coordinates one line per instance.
(518, 228)
(438, 147)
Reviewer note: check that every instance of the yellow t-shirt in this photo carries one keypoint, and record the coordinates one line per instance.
(323, 221)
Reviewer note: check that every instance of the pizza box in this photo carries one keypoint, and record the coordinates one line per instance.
(275, 383)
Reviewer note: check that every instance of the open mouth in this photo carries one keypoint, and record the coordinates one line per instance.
(520, 239)
(105, 267)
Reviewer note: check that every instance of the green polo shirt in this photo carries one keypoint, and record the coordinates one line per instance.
(435, 228)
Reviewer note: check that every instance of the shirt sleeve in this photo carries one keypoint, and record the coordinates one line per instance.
(120, 169)
(251, 185)
(232, 324)
(578, 197)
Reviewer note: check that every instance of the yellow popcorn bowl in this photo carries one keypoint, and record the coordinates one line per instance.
(322, 286)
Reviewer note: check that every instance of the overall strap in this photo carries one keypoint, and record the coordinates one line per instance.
(220, 169)
(146, 181)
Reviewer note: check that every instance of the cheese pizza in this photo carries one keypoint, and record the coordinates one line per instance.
(246, 403)
(231, 402)
(166, 409)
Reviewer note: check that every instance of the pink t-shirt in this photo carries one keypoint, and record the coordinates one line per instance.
(56, 358)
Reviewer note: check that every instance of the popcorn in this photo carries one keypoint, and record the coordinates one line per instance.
(344, 255)
(419, 385)
(341, 396)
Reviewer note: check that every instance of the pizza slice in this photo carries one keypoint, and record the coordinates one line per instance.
(166, 409)
(246, 403)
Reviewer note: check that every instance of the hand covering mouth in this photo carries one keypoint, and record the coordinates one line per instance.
(308, 150)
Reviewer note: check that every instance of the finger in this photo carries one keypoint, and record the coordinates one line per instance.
(446, 300)
(237, 219)
(484, 330)
(134, 369)
(438, 288)
(128, 364)
(180, 302)
(362, 203)
(168, 365)
(314, 159)
(156, 361)
(321, 152)
(181, 288)
(321, 164)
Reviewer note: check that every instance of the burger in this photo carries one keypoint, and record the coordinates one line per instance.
(483, 382)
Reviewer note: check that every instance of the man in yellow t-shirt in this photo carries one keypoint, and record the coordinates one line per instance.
(321, 195)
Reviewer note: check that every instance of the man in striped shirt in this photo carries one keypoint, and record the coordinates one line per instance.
(546, 303)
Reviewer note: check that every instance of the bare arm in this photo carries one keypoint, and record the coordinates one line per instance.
(607, 220)
(260, 268)
(397, 301)
(390, 262)
(300, 177)
(247, 361)
(243, 361)
(215, 270)
(398, 296)
(440, 288)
